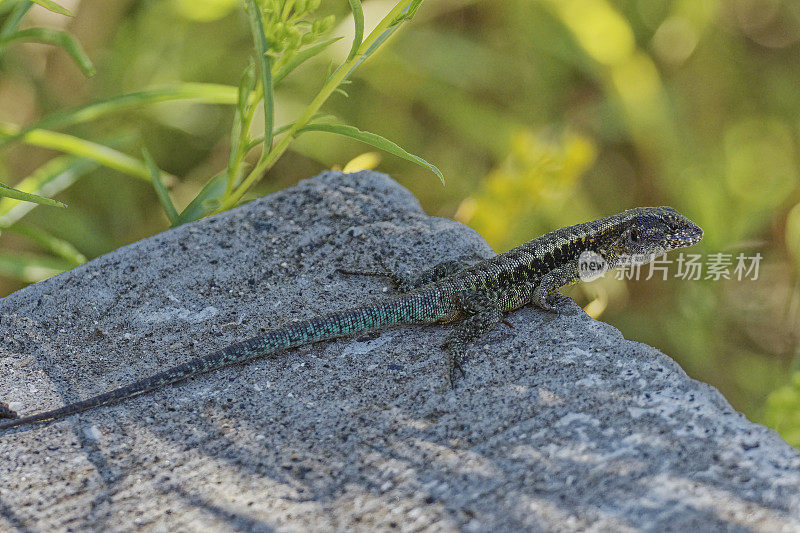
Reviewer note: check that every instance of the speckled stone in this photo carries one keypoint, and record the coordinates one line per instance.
(559, 425)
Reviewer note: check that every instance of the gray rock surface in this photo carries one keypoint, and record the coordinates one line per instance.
(559, 425)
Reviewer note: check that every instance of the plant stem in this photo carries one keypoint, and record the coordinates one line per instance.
(332, 83)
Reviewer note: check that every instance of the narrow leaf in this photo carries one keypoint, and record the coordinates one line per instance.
(52, 6)
(158, 185)
(240, 127)
(206, 201)
(236, 155)
(373, 140)
(277, 131)
(409, 12)
(102, 154)
(47, 180)
(299, 58)
(208, 93)
(358, 19)
(264, 70)
(12, 22)
(28, 197)
(53, 244)
(58, 38)
(246, 86)
(369, 51)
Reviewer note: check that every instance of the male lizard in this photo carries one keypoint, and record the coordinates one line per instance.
(475, 297)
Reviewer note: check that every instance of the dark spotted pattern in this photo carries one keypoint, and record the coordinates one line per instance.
(477, 295)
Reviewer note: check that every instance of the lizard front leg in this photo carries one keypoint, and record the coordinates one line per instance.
(482, 314)
(545, 291)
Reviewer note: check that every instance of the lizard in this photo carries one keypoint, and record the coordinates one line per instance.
(473, 297)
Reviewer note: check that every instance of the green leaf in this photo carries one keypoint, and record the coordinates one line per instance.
(158, 185)
(52, 6)
(12, 22)
(409, 12)
(6, 6)
(53, 244)
(277, 131)
(265, 71)
(206, 201)
(102, 154)
(358, 19)
(376, 37)
(240, 127)
(299, 58)
(30, 268)
(208, 93)
(58, 38)
(49, 179)
(373, 140)
(379, 40)
(246, 86)
(27, 197)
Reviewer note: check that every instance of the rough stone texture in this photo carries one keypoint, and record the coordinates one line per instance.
(559, 425)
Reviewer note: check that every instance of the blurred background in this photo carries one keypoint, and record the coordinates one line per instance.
(540, 114)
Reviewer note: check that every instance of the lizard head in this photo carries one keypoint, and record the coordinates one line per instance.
(648, 232)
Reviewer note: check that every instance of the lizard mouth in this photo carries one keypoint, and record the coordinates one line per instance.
(687, 235)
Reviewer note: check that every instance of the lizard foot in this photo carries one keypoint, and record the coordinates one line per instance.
(551, 302)
(482, 315)
(403, 282)
(6, 412)
(455, 360)
(559, 302)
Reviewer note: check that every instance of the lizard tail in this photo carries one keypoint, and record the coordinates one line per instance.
(343, 323)
(172, 375)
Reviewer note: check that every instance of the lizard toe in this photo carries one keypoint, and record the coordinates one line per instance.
(7, 412)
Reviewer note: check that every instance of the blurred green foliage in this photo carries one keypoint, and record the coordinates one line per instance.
(285, 35)
(783, 410)
(540, 113)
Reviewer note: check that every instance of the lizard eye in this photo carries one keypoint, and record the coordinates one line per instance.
(634, 235)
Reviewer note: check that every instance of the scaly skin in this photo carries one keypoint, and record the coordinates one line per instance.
(475, 296)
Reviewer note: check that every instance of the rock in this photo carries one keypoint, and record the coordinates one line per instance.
(92, 433)
(559, 425)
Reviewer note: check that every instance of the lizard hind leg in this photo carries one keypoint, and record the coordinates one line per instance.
(440, 271)
(483, 314)
(407, 282)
